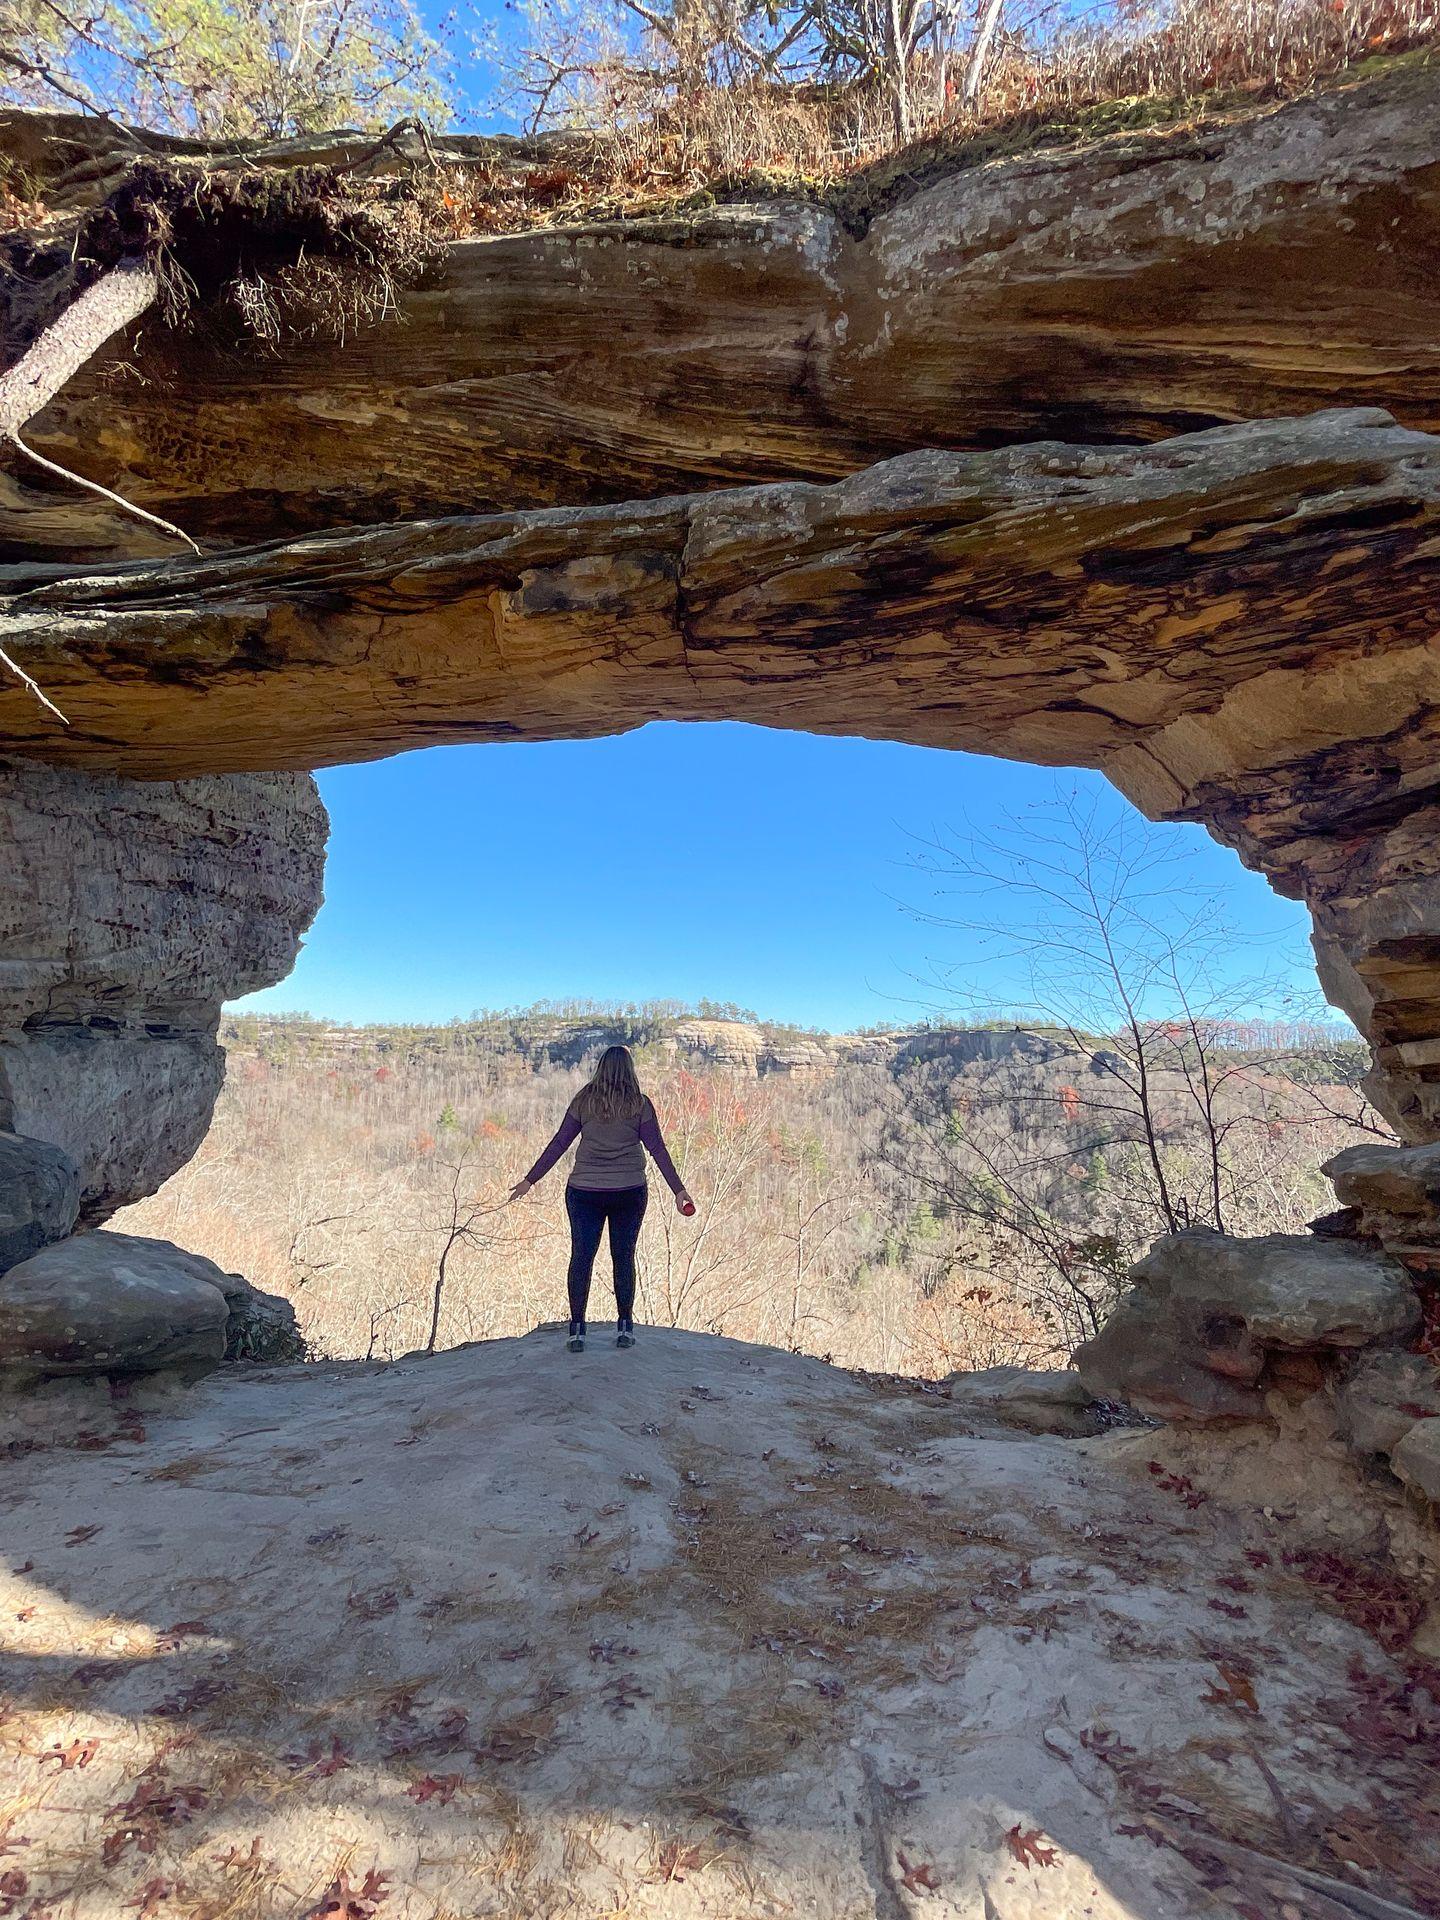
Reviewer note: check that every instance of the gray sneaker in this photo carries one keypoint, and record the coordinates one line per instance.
(576, 1342)
(625, 1334)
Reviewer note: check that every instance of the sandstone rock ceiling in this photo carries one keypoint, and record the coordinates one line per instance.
(1152, 284)
(1054, 603)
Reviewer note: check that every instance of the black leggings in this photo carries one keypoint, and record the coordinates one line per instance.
(624, 1208)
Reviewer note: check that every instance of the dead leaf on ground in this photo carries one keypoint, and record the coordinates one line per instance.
(79, 1753)
(316, 1764)
(441, 1787)
(155, 1805)
(918, 1876)
(152, 1896)
(621, 1693)
(676, 1860)
(1029, 1848)
(341, 1901)
(1235, 1690)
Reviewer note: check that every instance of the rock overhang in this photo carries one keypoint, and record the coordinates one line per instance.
(1038, 458)
(1228, 267)
(1115, 607)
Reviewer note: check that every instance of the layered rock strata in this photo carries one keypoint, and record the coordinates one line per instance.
(1237, 626)
(1230, 267)
(1220, 1330)
(1212, 1324)
(128, 911)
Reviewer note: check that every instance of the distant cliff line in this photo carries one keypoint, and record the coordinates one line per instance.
(728, 1038)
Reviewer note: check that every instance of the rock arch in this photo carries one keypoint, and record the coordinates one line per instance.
(1057, 456)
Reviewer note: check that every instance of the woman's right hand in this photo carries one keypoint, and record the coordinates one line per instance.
(684, 1204)
(519, 1190)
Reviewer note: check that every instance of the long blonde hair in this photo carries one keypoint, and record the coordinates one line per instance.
(613, 1093)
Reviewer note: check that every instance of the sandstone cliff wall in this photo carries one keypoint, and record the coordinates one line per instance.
(128, 912)
(1229, 267)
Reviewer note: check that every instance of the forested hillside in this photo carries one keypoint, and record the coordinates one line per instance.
(912, 1201)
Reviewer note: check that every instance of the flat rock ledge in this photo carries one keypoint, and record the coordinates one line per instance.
(707, 1631)
(1219, 1330)
(1391, 1195)
(1053, 1400)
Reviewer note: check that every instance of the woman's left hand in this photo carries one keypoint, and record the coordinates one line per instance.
(519, 1190)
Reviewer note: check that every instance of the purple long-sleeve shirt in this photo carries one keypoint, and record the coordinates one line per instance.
(610, 1156)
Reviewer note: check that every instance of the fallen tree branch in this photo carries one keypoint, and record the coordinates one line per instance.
(38, 691)
(1356, 1900)
(94, 486)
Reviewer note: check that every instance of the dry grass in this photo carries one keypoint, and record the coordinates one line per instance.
(641, 143)
(830, 1563)
(637, 137)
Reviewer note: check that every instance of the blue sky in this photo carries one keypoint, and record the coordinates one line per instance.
(680, 861)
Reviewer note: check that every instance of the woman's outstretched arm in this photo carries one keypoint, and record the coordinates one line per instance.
(564, 1136)
(654, 1141)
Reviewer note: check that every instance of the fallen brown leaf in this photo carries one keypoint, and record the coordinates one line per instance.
(316, 1764)
(1028, 1848)
(341, 1901)
(441, 1787)
(918, 1876)
(676, 1860)
(1235, 1690)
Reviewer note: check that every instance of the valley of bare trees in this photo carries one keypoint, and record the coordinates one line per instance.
(969, 1200)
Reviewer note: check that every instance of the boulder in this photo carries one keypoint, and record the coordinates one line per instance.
(39, 1197)
(1400, 1181)
(1417, 1459)
(1054, 1401)
(1211, 1323)
(1170, 1371)
(1290, 1290)
(262, 1326)
(111, 1303)
(1385, 1396)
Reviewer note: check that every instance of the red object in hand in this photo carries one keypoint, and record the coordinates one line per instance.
(687, 1206)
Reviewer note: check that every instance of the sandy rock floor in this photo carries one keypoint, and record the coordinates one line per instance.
(702, 1629)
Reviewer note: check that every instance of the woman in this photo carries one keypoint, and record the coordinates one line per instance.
(614, 1122)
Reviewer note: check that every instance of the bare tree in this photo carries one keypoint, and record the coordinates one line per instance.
(224, 69)
(1137, 1084)
(980, 50)
(458, 1226)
